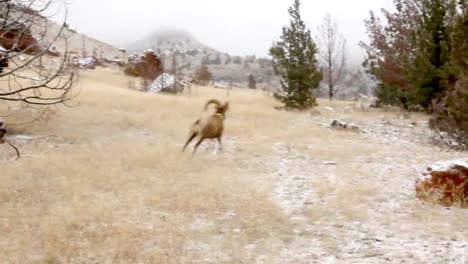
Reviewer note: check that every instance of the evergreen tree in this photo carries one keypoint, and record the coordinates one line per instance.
(246, 64)
(431, 69)
(228, 59)
(216, 60)
(410, 55)
(203, 75)
(294, 60)
(237, 60)
(451, 114)
(251, 83)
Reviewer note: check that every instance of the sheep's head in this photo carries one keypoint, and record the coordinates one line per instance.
(220, 108)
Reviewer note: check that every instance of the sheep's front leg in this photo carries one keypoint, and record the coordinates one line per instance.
(198, 144)
(220, 145)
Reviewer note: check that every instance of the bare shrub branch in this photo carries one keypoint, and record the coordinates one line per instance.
(32, 70)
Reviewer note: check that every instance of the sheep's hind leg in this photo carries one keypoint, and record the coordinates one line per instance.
(191, 137)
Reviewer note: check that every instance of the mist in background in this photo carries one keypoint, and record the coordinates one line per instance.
(237, 27)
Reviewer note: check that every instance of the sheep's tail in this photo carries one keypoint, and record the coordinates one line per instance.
(212, 101)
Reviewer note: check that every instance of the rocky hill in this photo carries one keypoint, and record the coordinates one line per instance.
(85, 46)
(190, 53)
(33, 31)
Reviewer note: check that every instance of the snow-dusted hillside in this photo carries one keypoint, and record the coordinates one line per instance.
(190, 53)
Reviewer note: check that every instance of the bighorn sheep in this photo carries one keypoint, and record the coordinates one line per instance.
(210, 127)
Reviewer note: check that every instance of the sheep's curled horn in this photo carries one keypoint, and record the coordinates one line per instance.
(220, 108)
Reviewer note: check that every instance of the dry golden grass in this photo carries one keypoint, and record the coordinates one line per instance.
(114, 187)
(120, 190)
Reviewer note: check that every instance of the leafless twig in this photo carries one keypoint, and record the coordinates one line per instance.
(36, 73)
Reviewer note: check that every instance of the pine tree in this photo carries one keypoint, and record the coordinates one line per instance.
(203, 75)
(251, 83)
(410, 55)
(431, 67)
(451, 114)
(294, 60)
(246, 64)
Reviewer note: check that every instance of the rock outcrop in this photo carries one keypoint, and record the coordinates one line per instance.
(3, 59)
(165, 83)
(344, 126)
(18, 37)
(85, 63)
(445, 183)
(115, 61)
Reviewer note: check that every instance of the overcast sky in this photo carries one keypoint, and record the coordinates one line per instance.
(239, 27)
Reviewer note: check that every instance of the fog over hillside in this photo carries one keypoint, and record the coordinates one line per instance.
(239, 28)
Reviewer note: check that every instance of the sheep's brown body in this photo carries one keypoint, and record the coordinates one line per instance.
(211, 127)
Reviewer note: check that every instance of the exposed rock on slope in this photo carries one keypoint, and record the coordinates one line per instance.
(85, 63)
(165, 83)
(344, 126)
(445, 182)
(17, 36)
(33, 38)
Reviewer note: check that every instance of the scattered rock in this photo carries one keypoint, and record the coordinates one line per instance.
(115, 61)
(3, 59)
(445, 183)
(344, 126)
(330, 163)
(85, 63)
(221, 85)
(52, 51)
(2, 132)
(315, 112)
(405, 115)
(386, 122)
(279, 108)
(330, 109)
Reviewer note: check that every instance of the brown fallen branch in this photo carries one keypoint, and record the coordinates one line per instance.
(16, 149)
(3, 140)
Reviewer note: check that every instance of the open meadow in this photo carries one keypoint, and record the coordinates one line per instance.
(111, 184)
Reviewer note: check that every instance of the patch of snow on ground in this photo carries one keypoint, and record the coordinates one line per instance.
(447, 165)
(368, 217)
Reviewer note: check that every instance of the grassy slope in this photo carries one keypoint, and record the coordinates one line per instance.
(121, 190)
(117, 189)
